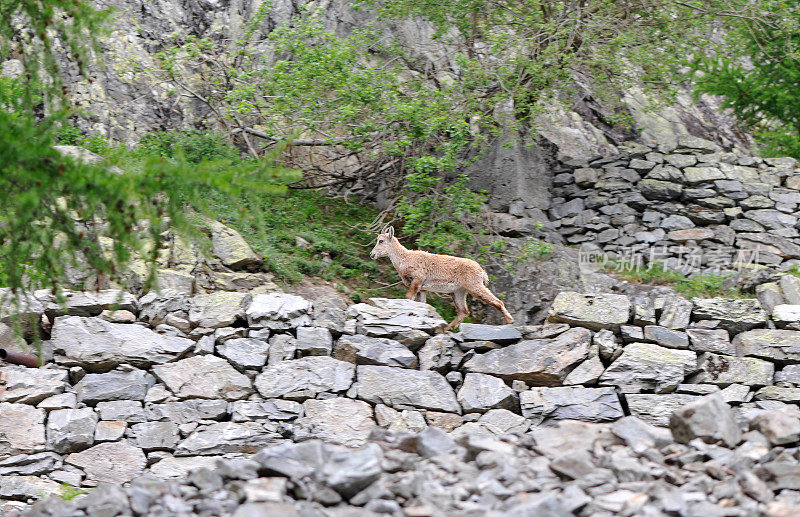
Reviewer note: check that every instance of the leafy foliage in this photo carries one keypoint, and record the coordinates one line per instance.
(757, 70)
(693, 286)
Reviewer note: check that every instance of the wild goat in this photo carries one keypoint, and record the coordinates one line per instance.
(421, 271)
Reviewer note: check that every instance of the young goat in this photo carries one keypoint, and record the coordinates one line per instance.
(421, 271)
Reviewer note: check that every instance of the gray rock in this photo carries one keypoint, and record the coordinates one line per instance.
(385, 317)
(187, 410)
(780, 427)
(644, 366)
(666, 337)
(116, 385)
(111, 462)
(337, 420)
(125, 410)
(360, 349)
(21, 429)
(433, 441)
(775, 345)
(790, 288)
(98, 345)
(660, 190)
(710, 340)
(91, 303)
(315, 374)
(30, 464)
(541, 361)
(656, 409)
(60, 401)
(245, 352)
(723, 370)
(274, 409)
(594, 311)
(30, 385)
(205, 377)
(70, 430)
(314, 341)
(155, 307)
(156, 435)
(401, 388)
(218, 309)
(500, 334)
(676, 313)
(639, 435)
(282, 347)
(348, 472)
(773, 219)
(789, 373)
(227, 437)
(676, 222)
(784, 314)
(481, 393)
(438, 353)
(180, 467)
(570, 403)
(231, 248)
(279, 311)
(27, 487)
(708, 418)
(586, 373)
(779, 393)
(735, 315)
(109, 430)
(697, 175)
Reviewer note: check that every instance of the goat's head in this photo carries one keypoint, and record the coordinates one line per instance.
(384, 243)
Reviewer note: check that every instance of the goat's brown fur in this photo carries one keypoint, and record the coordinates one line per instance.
(421, 271)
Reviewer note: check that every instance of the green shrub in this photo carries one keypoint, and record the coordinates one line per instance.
(195, 145)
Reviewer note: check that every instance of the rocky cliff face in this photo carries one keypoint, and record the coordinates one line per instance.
(234, 403)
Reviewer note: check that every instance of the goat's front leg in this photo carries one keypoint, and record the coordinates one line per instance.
(413, 289)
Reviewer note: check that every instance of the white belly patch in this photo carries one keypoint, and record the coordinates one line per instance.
(441, 287)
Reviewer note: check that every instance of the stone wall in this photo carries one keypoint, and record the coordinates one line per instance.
(693, 207)
(234, 403)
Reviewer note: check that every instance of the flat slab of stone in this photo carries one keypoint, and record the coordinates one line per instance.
(27, 487)
(21, 429)
(98, 345)
(593, 311)
(386, 317)
(480, 393)
(656, 409)
(227, 437)
(570, 403)
(784, 314)
(500, 334)
(114, 385)
(338, 420)
(772, 344)
(279, 311)
(111, 462)
(377, 351)
(205, 377)
(544, 362)
(180, 467)
(231, 248)
(710, 340)
(315, 374)
(645, 366)
(245, 352)
(92, 303)
(185, 411)
(30, 385)
(734, 314)
(401, 388)
(70, 430)
(724, 370)
(219, 309)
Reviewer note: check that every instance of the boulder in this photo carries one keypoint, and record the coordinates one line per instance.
(734, 314)
(71, 430)
(111, 462)
(385, 317)
(314, 341)
(360, 349)
(639, 435)
(543, 362)
(279, 311)
(180, 467)
(780, 427)
(775, 345)
(245, 352)
(91, 303)
(98, 345)
(723, 370)
(480, 393)
(708, 418)
(21, 429)
(205, 377)
(500, 334)
(227, 437)
(30, 385)
(115, 385)
(570, 403)
(710, 340)
(338, 420)
(656, 409)
(314, 374)
(231, 248)
(644, 366)
(27, 487)
(401, 388)
(218, 309)
(156, 435)
(593, 311)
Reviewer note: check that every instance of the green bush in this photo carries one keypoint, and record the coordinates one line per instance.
(195, 145)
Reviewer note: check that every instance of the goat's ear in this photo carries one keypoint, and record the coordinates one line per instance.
(390, 231)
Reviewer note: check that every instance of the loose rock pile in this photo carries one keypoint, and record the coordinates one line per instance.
(252, 404)
(693, 207)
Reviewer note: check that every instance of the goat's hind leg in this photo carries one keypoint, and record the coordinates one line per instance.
(483, 294)
(421, 296)
(460, 301)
